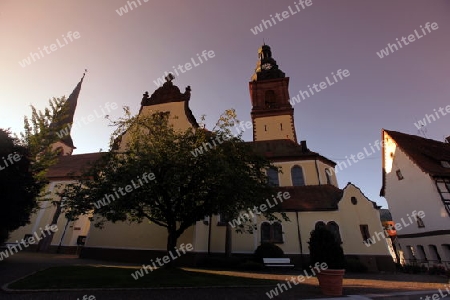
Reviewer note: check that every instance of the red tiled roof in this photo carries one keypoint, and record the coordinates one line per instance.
(312, 197)
(425, 153)
(72, 165)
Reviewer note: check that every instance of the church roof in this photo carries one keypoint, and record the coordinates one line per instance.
(425, 153)
(167, 93)
(69, 112)
(287, 150)
(70, 166)
(312, 197)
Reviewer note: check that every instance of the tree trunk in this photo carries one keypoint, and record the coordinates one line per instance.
(171, 242)
(171, 246)
(209, 234)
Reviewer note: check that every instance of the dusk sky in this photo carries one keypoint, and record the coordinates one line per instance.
(125, 52)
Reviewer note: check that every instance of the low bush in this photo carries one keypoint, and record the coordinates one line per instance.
(268, 250)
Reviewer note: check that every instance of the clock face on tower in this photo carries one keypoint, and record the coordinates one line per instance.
(266, 66)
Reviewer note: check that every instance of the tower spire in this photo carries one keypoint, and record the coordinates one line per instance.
(65, 123)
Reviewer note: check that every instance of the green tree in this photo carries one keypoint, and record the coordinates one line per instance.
(184, 185)
(22, 182)
(18, 187)
(40, 133)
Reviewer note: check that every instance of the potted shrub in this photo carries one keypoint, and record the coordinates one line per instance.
(324, 247)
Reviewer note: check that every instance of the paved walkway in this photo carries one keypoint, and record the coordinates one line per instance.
(370, 286)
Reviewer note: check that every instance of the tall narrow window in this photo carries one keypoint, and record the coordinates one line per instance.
(270, 99)
(265, 232)
(277, 232)
(272, 175)
(297, 176)
(421, 253)
(434, 253)
(365, 233)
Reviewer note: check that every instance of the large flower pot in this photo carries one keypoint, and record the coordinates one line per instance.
(330, 281)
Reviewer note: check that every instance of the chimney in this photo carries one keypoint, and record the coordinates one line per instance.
(304, 147)
(447, 139)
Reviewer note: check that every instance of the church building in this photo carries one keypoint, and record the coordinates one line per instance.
(315, 198)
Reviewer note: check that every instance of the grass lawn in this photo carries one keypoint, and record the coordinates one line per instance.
(120, 277)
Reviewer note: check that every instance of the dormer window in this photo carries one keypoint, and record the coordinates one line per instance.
(445, 164)
(420, 223)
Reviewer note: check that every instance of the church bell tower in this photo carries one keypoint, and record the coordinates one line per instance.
(272, 114)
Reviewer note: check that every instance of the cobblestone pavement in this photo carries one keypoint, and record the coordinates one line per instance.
(373, 286)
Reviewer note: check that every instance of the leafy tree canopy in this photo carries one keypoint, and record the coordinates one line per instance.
(40, 133)
(182, 187)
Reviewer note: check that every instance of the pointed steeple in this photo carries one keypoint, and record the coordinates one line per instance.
(65, 123)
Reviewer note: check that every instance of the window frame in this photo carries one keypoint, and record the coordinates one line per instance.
(443, 188)
(298, 167)
(273, 238)
(270, 176)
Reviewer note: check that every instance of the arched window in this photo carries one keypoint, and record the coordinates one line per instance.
(265, 232)
(269, 99)
(277, 230)
(271, 233)
(334, 228)
(272, 175)
(319, 224)
(297, 176)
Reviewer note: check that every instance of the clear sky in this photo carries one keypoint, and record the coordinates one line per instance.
(125, 53)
